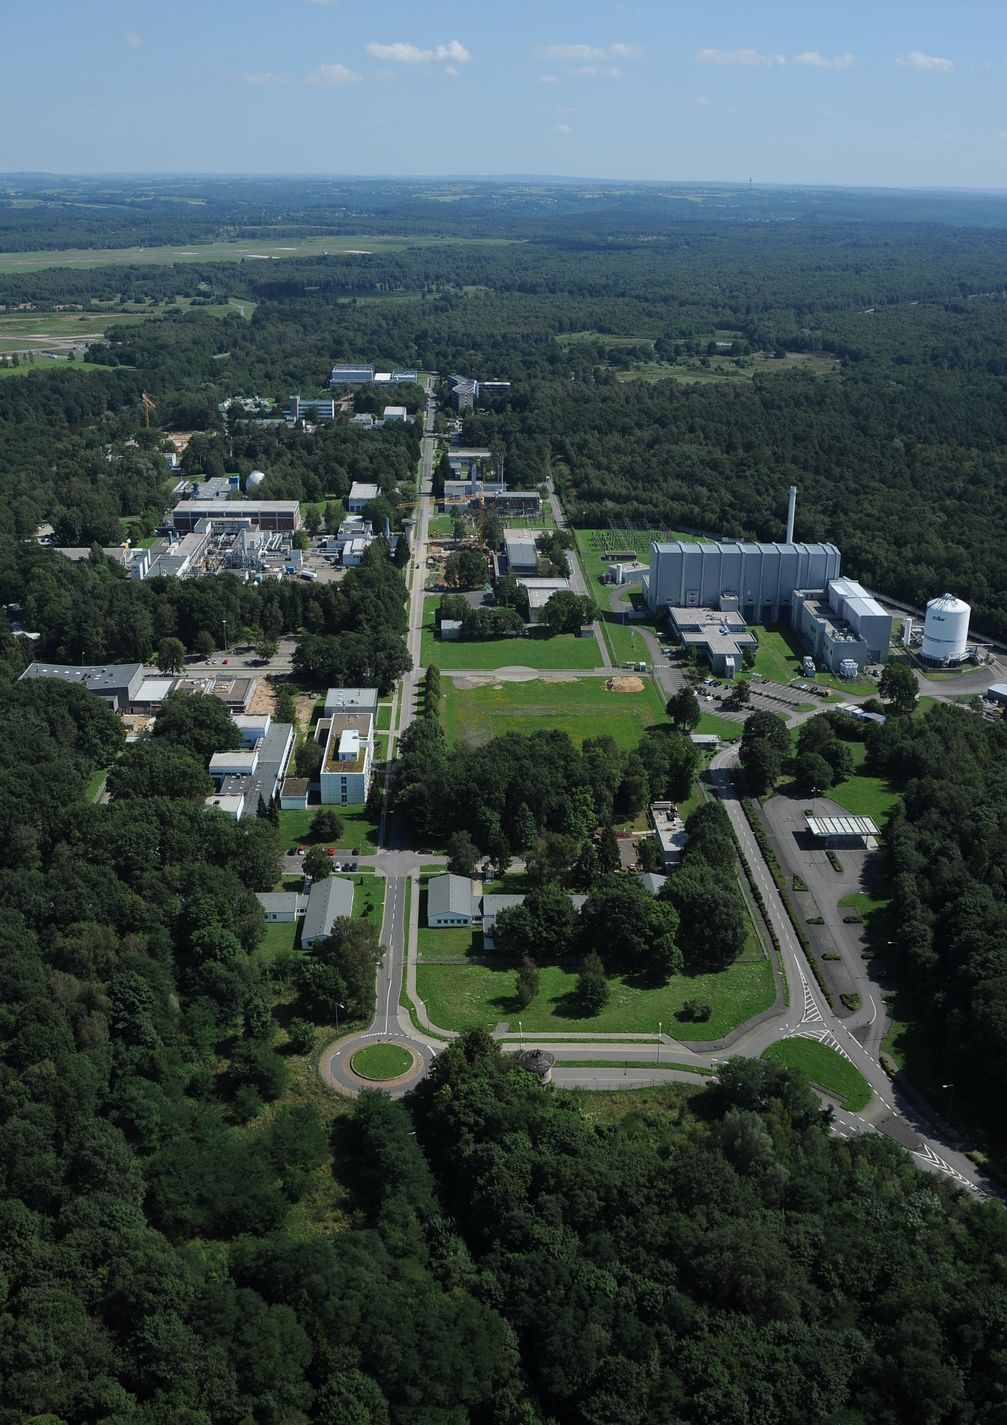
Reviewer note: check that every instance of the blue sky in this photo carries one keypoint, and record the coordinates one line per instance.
(905, 93)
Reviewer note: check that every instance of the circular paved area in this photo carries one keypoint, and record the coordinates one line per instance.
(336, 1066)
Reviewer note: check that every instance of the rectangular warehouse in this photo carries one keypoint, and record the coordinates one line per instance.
(262, 514)
(757, 580)
(842, 625)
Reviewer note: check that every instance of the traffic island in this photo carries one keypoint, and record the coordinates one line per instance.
(382, 1062)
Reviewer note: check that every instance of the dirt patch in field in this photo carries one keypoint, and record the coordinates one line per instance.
(262, 700)
(559, 678)
(624, 685)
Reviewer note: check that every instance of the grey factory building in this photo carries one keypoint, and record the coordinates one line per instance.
(755, 580)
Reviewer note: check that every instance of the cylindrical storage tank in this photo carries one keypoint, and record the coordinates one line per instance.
(946, 630)
(255, 480)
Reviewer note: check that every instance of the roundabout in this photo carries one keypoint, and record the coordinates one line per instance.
(382, 1061)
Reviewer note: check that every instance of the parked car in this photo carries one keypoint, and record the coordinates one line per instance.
(301, 850)
(291, 850)
(332, 850)
(356, 850)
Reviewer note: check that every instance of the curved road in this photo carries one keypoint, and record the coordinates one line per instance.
(806, 1013)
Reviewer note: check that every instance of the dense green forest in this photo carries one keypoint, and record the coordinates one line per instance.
(194, 1231)
(897, 448)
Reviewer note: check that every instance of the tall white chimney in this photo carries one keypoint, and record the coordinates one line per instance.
(791, 511)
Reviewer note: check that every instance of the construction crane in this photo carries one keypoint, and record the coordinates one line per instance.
(148, 406)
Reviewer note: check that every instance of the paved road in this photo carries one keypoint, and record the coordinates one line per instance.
(391, 1020)
(806, 1013)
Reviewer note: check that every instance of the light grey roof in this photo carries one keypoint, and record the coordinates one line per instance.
(450, 895)
(105, 679)
(329, 900)
(841, 826)
(276, 902)
(651, 881)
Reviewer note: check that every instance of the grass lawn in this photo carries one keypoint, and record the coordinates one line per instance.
(580, 707)
(591, 543)
(632, 1064)
(466, 996)
(295, 827)
(280, 935)
(454, 943)
(863, 795)
(24, 369)
(562, 650)
(780, 655)
(824, 1067)
(722, 726)
(381, 1061)
(95, 783)
(369, 899)
(384, 718)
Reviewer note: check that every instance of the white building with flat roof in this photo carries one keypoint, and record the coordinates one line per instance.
(348, 750)
(360, 496)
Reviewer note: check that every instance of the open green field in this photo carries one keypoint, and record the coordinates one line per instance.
(562, 650)
(824, 1067)
(862, 794)
(57, 331)
(369, 898)
(461, 996)
(580, 706)
(237, 251)
(295, 827)
(381, 1061)
(722, 368)
(591, 543)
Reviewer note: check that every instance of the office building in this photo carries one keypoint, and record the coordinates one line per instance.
(345, 374)
(311, 409)
(348, 749)
(720, 638)
(115, 683)
(256, 771)
(360, 496)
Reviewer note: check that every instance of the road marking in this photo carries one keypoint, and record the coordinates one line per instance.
(929, 1156)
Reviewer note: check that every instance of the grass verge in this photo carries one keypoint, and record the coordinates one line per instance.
(824, 1067)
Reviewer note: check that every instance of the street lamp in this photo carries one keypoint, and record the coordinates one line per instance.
(520, 1030)
(338, 1008)
(658, 1041)
(951, 1098)
(224, 622)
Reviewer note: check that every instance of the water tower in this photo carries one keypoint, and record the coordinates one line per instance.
(945, 630)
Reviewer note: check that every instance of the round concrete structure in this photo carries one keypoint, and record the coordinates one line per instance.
(946, 630)
(538, 1062)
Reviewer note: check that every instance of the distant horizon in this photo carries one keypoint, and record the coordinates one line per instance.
(906, 95)
(559, 178)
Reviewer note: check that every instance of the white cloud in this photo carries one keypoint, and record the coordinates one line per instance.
(599, 71)
(752, 58)
(814, 60)
(916, 59)
(564, 128)
(133, 39)
(402, 53)
(586, 54)
(572, 52)
(265, 79)
(450, 70)
(701, 100)
(332, 76)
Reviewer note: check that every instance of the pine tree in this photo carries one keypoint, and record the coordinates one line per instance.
(609, 859)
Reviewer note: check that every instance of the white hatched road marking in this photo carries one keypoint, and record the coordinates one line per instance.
(929, 1156)
(812, 1025)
